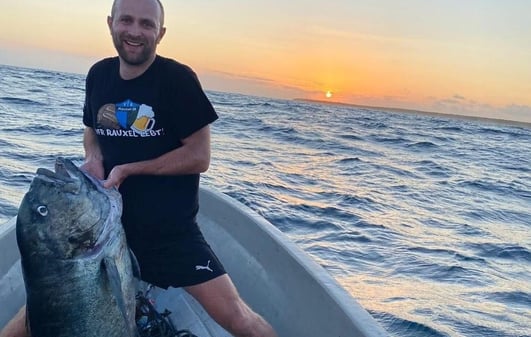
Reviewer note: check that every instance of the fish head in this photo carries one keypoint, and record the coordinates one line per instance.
(64, 212)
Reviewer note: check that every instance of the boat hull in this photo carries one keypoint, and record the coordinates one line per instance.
(277, 279)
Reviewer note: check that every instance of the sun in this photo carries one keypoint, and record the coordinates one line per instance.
(328, 94)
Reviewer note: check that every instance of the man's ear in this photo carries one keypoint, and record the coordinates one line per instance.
(109, 21)
(161, 34)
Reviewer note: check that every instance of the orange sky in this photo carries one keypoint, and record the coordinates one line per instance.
(464, 57)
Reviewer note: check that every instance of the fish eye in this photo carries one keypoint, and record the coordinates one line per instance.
(42, 210)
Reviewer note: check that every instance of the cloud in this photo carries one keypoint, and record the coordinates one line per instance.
(459, 105)
(249, 84)
(243, 77)
(517, 112)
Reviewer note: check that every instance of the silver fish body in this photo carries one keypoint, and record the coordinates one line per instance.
(77, 268)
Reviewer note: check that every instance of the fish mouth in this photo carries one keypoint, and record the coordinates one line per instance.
(66, 175)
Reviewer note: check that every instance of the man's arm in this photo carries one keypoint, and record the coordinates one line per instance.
(191, 158)
(93, 157)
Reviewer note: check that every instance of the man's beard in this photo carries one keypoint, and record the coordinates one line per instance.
(131, 59)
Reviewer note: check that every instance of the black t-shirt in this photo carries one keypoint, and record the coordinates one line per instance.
(142, 119)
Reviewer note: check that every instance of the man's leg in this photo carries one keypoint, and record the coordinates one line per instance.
(221, 300)
(17, 326)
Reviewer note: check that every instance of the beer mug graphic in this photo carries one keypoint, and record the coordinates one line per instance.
(145, 120)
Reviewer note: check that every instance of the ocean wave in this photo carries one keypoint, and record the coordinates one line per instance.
(448, 253)
(347, 161)
(422, 145)
(21, 101)
(350, 137)
(502, 251)
(397, 326)
(433, 168)
(455, 129)
(431, 213)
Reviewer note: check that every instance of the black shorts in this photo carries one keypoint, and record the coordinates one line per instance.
(183, 261)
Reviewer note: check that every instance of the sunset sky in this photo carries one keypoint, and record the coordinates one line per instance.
(468, 57)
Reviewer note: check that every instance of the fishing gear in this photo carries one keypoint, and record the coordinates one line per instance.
(151, 323)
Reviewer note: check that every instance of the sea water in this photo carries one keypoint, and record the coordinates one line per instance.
(424, 219)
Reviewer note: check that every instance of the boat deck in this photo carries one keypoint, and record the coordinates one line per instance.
(186, 312)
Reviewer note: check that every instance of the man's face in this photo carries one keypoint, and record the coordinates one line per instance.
(136, 30)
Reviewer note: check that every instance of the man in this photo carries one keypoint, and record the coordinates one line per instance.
(147, 132)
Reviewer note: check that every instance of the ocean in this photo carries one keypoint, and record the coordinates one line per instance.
(424, 219)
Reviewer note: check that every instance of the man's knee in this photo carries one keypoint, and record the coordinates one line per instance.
(17, 326)
(242, 320)
(245, 322)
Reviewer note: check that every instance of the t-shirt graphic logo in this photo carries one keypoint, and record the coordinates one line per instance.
(126, 112)
(127, 115)
(145, 119)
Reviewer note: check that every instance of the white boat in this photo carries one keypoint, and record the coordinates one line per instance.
(276, 278)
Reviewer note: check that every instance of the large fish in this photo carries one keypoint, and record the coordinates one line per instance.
(77, 267)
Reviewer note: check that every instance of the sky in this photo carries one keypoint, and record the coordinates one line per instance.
(468, 57)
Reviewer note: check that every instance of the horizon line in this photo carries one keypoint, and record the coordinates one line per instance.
(421, 112)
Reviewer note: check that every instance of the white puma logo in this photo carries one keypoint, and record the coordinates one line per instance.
(207, 267)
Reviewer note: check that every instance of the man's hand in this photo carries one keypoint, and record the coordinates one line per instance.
(116, 176)
(95, 169)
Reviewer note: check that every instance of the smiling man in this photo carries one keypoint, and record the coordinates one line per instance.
(147, 132)
(135, 42)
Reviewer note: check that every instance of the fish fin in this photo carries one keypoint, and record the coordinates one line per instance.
(135, 265)
(116, 288)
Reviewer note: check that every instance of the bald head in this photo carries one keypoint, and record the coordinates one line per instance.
(116, 2)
